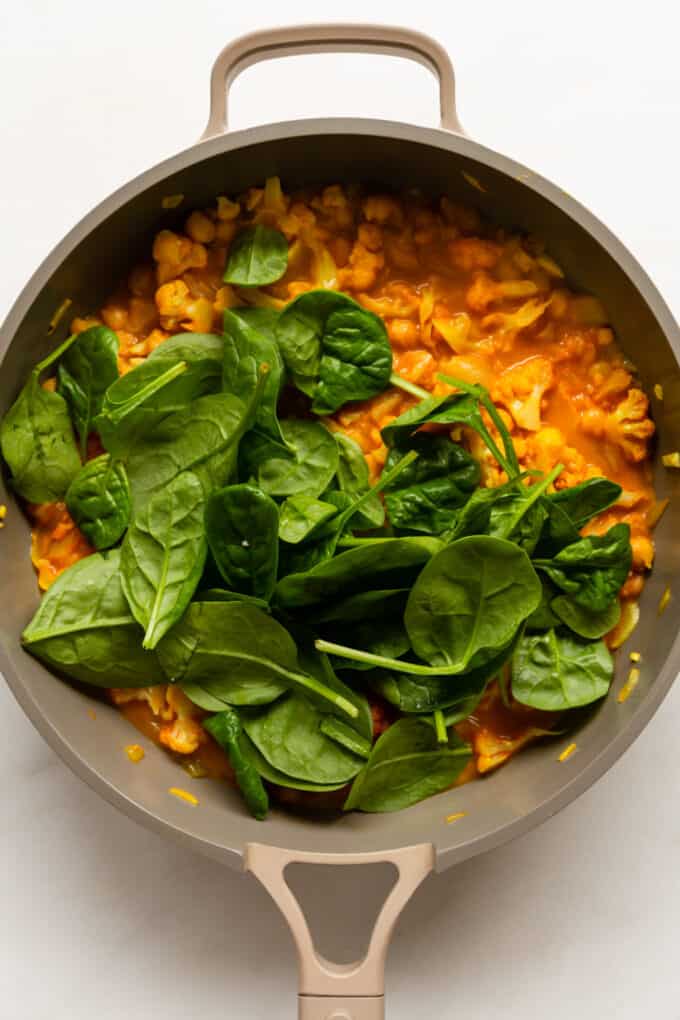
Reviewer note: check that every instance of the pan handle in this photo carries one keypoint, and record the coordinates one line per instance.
(291, 41)
(331, 991)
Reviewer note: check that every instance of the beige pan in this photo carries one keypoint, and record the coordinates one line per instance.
(393, 155)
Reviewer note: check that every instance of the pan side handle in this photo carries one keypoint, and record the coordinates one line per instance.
(331, 991)
(299, 39)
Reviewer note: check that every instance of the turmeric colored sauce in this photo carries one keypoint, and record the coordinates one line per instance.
(457, 297)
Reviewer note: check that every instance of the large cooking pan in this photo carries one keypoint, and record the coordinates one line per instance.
(97, 253)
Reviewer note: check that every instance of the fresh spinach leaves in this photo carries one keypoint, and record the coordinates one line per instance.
(238, 655)
(288, 735)
(87, 369)
(98, 500)
(334, 349)
(305, 465)
(163, 554)
(427, 495)
(248, 343)
(556, 671)
(592, 570)
(258, 256)
(242, 524)
(407, 765)
(84, 629)
(226, 730)
(36, 438)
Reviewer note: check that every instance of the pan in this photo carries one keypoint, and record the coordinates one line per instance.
(395, 156)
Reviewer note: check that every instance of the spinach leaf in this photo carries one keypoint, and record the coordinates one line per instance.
(258, 256)
(584, 501)
(543, 617)
(246, 347)
(306, 464)
(222, 595)
(556, 671)
(36, 439)
(367, 605)
(263, 320)
(373, 565)
(592, 570)
(353, 481)
(327, 537)
(86, 370)
(301, 516)
(426, 496)
(163, 554)
(273, 775)
(238, 655)
(419, 694)
(84, 629)
(519, 513)
(469, 599)
(226, 730)
(407, 765)
(586, 622)
(289, 736)
(456, 409)
(98, 500)
(203, 439)
(334, 349)
(241, 525)
(181, 369)
(570, 509)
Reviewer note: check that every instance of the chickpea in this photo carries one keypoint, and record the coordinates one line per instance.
(200, 228)
(115, 316)
(403, 332)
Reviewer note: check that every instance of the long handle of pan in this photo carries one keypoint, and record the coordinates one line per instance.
(331, 991)
(294, 40)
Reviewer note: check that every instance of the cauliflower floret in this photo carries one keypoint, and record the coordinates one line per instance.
(363, 269)
(627, 426)
(177, 307)
(175, 254)
(182, 731)
(521, 390)
(397, 301)
(484, 291)
(469, 253)
(153, 696)
(383, 209)
(185, 733)
(608, 380)
(548, 447)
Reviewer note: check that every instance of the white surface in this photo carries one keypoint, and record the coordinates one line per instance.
(101, 919)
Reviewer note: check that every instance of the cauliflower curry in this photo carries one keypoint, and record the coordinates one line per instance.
(457, 297)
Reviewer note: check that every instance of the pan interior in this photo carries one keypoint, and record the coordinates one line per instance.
(86, 268)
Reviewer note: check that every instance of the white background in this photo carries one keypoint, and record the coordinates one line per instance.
(100, 919)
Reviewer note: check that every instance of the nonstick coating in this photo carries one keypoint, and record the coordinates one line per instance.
(86, 267)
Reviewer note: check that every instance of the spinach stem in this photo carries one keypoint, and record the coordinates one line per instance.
(118, 414)
(322, 691)
(409, 387)
(398, 665)
(440, 727)
(535, 493)
(56, 353)
(509, 463)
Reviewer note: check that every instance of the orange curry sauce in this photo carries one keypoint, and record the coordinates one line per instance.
(456, 297)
